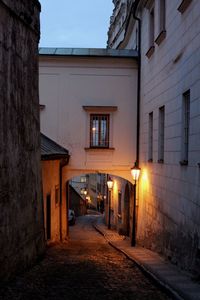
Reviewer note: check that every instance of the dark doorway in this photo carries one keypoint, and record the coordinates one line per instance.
(48, 217)
(127, 210)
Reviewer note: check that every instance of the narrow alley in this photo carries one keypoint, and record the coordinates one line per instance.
(85, 268)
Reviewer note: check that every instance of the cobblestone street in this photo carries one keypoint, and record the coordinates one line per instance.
(85, 268)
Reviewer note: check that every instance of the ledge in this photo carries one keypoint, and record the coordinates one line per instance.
(183, 162)
(99, 149)
(150, 160)
(100, 108)
(183, 6)
(160, 37)
(150, 51)
(42, 106)
(161, 161)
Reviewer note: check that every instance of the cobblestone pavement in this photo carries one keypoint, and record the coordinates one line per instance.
(85, 268)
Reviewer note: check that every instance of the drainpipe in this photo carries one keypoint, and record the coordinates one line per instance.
(63, 163)
(134, 8)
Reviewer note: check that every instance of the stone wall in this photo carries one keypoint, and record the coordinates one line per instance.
(21, 215)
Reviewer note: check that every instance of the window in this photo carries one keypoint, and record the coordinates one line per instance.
(151, 28)
(83, 179)
(185, 127)
(161, 134)
(151, 33)
(162, 20)
(57, 194)
(150, 152)
(99, 130)
(183, 6)
(119, 203)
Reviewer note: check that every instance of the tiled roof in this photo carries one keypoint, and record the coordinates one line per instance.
(97, 52)
(50, 150)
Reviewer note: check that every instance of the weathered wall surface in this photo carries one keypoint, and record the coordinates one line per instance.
(21, 217)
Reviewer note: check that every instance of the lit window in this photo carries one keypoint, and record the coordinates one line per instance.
(185, 127)
(83, 179)
(150, 153)
(99, 130)
(161, 134)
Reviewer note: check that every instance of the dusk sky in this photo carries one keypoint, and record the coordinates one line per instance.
(77, 23)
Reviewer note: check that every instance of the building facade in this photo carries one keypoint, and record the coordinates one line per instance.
(21, 213)
(83, 109)
(168, 38)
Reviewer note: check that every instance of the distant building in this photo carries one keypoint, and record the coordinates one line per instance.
(169, 201)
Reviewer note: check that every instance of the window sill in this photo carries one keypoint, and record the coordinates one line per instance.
(150, 51)
(183, 6)
(183, 162)
(161, 161)
(98, 148)
(160, 37)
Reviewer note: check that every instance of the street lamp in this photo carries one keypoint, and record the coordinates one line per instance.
(110, 186)
(135, 172)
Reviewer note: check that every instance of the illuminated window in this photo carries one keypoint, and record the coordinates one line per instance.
(161, 134)
(99, 130)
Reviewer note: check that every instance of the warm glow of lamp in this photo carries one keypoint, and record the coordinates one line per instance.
(135, 172)
(110, 183)
(85, 192)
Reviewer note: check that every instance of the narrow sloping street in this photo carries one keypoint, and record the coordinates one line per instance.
(85, 268)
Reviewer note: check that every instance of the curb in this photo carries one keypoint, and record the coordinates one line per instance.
(169, 290)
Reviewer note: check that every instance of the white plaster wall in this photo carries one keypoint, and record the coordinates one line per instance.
(67, 84)
(169, 209)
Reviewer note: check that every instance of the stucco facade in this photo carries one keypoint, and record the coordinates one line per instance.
(169, 201)
(72, 87)
(21, 214)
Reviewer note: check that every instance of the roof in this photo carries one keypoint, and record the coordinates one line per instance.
(86, 52)
(50, 150)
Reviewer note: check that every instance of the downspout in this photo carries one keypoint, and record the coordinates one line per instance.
(63, 163)
(134, 8)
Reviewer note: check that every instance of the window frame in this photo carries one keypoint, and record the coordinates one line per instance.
(185, 128)
(161, 22)
(161, 134)
(97, 109)
(150, 144)
(151, 22)
(100, 117)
